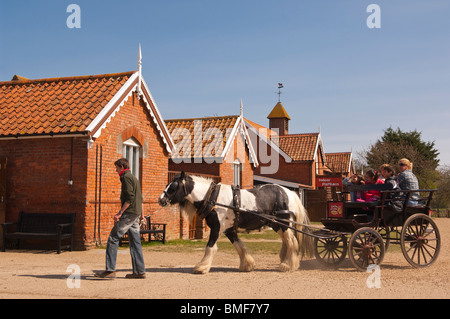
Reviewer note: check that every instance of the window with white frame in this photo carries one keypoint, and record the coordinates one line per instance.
(132, 151)
(237, 169)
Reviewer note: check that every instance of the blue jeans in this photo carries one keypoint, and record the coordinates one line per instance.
(413, 202)
(127, 223)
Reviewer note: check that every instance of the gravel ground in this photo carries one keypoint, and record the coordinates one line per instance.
(44, 274)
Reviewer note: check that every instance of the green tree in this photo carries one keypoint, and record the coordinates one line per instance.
(414, 139)
(396, 144)
(442, 198)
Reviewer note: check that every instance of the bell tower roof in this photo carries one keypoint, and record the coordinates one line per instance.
(278, 112)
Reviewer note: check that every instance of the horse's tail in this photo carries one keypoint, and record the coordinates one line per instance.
(305, 242)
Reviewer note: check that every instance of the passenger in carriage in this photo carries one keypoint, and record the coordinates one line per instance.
(407, 180)
(371, 177)
(355, 179)
(388, 172)
(394, 202)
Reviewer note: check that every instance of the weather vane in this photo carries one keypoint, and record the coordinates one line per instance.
(280, 86)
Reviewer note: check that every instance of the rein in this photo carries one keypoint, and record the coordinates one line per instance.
(310, 229)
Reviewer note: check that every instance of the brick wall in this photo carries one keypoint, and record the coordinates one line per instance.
(238, 151)
(132, 120)
(299, 172)
(39, 171)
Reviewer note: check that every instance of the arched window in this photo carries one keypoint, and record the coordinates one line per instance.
(132, 152)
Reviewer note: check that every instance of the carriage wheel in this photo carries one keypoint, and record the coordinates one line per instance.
(366, 248)
(420, 240)
(330, 252)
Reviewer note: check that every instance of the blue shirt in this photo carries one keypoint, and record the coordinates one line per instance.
(408, 181)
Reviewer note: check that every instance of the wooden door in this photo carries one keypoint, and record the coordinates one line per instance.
(196, 228)
(3, 162)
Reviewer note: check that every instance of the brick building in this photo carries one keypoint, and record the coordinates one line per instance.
(61, 137)
(299, 157)
(215, 147)
(295, 160)
(218, 147)
(341, 163)
(300, 160)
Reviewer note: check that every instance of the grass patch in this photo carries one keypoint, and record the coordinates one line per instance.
(265, 241)
(253, 247)
(176, 245)
(266, 234)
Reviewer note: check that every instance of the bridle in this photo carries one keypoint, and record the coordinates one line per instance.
(170, 197)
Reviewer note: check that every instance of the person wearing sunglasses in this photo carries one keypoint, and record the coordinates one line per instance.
(407, 180)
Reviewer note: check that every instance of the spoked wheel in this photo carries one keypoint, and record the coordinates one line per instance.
(330, 252)
(366, 248)
(420, 241)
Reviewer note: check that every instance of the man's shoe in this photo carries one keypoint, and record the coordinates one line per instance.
(135, 276)
(106, 274)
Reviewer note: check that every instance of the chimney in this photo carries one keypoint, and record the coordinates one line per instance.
(19, 78)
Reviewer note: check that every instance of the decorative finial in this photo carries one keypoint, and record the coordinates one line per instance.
(241, 109)
(280, 86)
(138, 90)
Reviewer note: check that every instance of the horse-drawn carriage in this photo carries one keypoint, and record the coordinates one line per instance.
(364, 230)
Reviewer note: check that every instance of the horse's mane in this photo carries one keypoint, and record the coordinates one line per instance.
(201, 179)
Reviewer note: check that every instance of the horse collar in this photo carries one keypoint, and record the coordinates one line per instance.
(209, 201)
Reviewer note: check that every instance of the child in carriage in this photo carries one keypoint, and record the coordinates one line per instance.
(388, 172)
(355, 179)
(371, 177)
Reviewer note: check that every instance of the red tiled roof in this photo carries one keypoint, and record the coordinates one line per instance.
(300, 147)
(55, 105)
(260, 129)
(339, 162)
(198, 130)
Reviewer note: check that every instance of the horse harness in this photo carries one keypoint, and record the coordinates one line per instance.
(209, 202)
(205, 206)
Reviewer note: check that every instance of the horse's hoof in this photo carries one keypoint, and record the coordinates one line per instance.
(247, 264)
(247, 268)
(285, 267)
(200, 270)
(197, 272)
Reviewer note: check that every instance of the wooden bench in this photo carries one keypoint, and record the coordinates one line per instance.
(46, 226)
(155, 230)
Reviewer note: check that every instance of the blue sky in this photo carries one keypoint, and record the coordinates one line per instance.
(201, 57)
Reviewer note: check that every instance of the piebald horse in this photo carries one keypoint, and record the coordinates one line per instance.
(189, 192)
